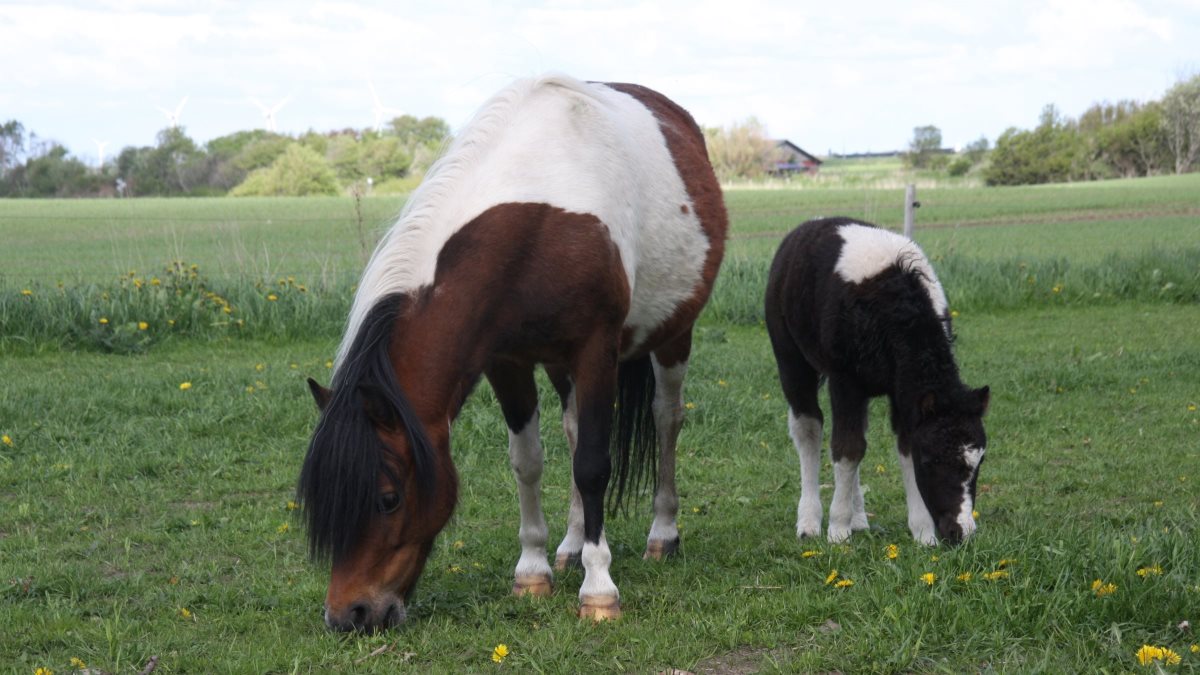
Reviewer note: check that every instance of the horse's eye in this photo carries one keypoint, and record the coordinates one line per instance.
(389, 502)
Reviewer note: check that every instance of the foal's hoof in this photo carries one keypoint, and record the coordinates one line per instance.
(658, 549)
(599, 608)
(537, 585)
(565, 561)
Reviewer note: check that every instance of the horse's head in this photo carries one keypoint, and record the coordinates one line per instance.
(948, 445)
(375, 498)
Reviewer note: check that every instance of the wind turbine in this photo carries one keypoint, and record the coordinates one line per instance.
(100, 145)
(379, 109)
(269, 113)
(173, 117)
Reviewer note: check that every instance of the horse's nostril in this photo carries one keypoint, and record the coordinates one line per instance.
(358, 615)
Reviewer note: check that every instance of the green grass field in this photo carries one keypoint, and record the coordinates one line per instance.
(141, 519)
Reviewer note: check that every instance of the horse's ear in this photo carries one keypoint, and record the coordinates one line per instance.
(320, 394)
(984, 396)
(377, 408)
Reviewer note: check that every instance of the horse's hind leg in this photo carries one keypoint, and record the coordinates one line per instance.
(801, 382)
(670, 365)
(847, 448)
(568, 553)
(517, 392)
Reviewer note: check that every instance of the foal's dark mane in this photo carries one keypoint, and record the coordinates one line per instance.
(339, 488)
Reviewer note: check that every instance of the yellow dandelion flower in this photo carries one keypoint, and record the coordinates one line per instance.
(1152, 571)
(1158, 503)
(929, 578)
(104, 321)
(77, 662)
(880, 469)
(954, 314)
(810, 554)
(292, 505)
(1005, 563)
(283, 528)
(26, 292)
(832, 575)
(454, 569)
(458, 544)
(43, 671)
(974, 514)
(964, 577)
(185, 613)
(328, 364)
(996, 576)
(1171, 657)
(184, 386)
(689, 405)
(499, 653)
(227, 309)
(155, 282)
(250, 389)
(6, 439)
(722, 383)
(272, 297)
(1195, 649)
(142, 325)
(170, 322)
(934, 558)
(294, 366)
(766, 397)
(260, 367)
(892, 551)
(1191, 407)
(844, 583)
(1102, 589)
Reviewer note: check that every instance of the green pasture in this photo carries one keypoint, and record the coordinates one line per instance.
(143, 518)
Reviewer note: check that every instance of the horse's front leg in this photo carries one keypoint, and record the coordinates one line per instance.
(847, 447)
(920, 523)
(517, 393)
(595, 389)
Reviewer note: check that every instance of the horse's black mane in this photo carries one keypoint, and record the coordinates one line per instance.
(339, 488)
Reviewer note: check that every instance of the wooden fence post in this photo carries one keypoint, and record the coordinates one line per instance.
(910, 203)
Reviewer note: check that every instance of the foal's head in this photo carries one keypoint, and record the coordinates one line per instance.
(947, 445)
(374, 498)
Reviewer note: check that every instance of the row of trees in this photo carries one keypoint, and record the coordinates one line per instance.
(1109, 140)
(243, 163)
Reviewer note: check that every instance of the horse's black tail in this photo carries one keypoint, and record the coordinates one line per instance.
(634, 440)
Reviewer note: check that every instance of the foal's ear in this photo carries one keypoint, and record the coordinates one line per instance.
(320, 394)
(984, 396)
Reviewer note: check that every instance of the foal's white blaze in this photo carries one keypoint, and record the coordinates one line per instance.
(867, 251)
(526, 456)
(920, 523)
(806, 434)
(583, 147)
(972, 456)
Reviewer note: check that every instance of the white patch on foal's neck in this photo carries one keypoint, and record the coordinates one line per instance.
(867, 251)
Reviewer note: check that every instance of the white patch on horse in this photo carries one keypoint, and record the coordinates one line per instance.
(966, 518)
(526, 456)
(867, 251)
(806, 435)
(847, 501)
(920, 523)
(596, 559)
(582, 147)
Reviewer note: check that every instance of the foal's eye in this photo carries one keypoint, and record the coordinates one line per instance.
(389, 502)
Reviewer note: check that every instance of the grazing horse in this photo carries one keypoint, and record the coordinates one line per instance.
(861, 306)
(570, 224)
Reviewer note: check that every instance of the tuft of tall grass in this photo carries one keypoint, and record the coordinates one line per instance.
(1156, 275)
(134, 312)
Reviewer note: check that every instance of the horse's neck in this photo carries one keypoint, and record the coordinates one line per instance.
(439, 353)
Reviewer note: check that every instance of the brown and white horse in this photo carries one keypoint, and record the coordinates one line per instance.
(570, 224)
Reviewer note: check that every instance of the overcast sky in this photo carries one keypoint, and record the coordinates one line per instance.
(843, 76)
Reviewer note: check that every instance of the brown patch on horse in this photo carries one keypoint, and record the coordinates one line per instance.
(685, 142)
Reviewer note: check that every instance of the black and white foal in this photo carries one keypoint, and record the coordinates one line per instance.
(861, 306)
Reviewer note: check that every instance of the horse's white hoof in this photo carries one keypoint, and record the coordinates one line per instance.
(537, 585)
(599, 607)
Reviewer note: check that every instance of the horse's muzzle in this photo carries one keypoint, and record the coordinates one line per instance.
(367, 617)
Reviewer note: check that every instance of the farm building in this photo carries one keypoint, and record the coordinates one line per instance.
(790, 158)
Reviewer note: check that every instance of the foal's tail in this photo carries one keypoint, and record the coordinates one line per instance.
(634, 439)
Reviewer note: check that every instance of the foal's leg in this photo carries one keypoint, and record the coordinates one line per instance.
(517, 392)
(569, 551)
(801, 382)
(595, 376)
(920, 523)
(670, 365)
(847, 447)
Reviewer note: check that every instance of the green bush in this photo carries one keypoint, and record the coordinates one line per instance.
(298, 172)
